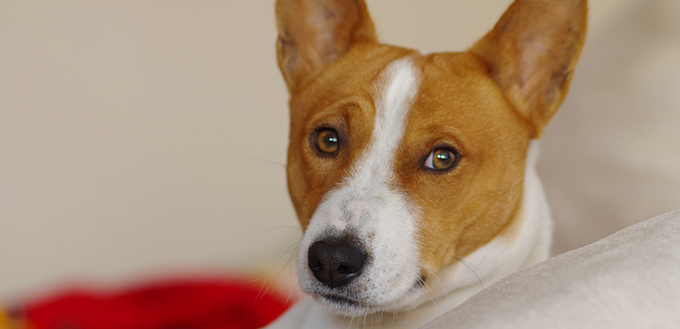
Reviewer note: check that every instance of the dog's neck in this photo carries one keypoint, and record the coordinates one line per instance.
(524, 242)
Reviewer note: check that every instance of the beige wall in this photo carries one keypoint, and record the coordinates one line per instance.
(146, 137)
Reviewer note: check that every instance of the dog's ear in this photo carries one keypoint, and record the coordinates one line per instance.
(316, 33)
(531, 53)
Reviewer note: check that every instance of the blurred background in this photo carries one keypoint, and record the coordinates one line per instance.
(141, 139)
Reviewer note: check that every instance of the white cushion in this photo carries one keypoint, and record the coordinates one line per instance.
(630, 279)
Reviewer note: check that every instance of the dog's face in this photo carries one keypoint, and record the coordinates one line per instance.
(401, 164)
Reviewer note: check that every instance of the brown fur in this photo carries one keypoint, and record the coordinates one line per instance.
(532, 57)
(488, 103)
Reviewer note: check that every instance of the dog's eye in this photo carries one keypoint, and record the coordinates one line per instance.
(327, 141)
(441, 159)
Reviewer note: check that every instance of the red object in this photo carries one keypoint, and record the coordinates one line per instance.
(185, 304)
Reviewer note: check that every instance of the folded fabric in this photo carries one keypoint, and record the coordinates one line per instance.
(630, 279)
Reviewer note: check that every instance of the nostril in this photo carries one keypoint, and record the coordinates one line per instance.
(335, 263)
(316, 266)
(344, 270)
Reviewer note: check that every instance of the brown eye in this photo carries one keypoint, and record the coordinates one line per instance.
(327, 141)
(441, 159)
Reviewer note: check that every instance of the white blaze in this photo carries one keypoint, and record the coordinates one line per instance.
(367, 206)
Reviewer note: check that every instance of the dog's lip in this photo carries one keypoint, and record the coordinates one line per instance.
(339, 299)
(342, 300)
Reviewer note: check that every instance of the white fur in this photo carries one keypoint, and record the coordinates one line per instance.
(528, 243)
(501, 256)
(367, 206)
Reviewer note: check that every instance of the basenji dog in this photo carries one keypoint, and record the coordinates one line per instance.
(413, 174)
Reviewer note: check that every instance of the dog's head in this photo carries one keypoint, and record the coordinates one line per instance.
(400, 164)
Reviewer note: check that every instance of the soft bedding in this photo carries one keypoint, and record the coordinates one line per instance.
(630, 279)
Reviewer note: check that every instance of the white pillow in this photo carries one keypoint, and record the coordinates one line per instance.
(630, 279)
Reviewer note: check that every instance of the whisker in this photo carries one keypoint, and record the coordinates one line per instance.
(430, 292)
(434, 275)
(378, 317)
(275, 282)
(283, 227)
(431, 295)
(278, 164)
(472, 269)
(351, 320)
(291, 275)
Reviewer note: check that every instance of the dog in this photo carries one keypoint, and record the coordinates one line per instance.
(413, 174)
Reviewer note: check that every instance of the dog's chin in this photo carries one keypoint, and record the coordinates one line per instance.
(350, 307)
(344, 306)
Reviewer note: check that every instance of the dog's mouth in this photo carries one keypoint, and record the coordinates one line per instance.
(345, 305)
(354, 306)
(341, 301)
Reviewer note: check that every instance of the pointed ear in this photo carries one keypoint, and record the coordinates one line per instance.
(315, 33)
(531, 53)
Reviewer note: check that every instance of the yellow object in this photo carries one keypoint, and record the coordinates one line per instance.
(4, 319)
(6, 322)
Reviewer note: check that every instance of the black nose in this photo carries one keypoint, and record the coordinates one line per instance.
(335, 263)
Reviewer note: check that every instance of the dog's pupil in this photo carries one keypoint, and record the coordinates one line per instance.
(443, 159)
(331, 140)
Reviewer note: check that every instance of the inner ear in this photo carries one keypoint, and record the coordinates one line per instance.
(531, 53)
(315, 33)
